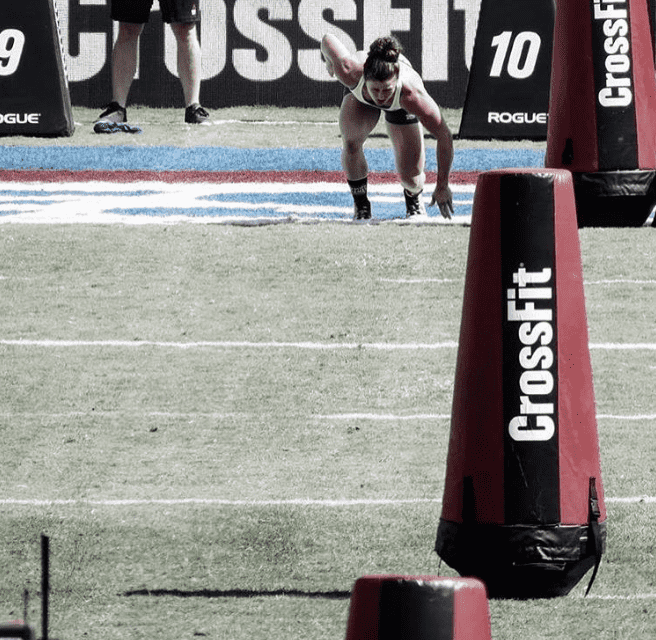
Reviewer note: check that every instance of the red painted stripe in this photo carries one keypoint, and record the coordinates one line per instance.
(13, 175)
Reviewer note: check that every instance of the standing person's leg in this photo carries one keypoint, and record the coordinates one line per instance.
(131, 16)
(124, 60)
(410, 155)
(189, 60)
(356, 122)
(184, 16)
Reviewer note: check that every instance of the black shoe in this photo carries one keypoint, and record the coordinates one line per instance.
(195, 114)
(414, 205)
(362, 210)
(113, 112)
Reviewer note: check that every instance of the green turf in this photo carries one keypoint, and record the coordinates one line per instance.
(90, 424)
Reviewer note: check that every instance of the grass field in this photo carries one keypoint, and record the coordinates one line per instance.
(221, 428)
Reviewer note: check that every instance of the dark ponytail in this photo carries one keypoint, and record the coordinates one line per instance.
(382, 60)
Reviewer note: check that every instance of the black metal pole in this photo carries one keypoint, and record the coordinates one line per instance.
(45, 585)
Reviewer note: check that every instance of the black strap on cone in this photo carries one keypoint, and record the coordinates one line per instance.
(594, 534)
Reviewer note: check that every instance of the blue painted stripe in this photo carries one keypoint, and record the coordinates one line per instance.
(134, 158)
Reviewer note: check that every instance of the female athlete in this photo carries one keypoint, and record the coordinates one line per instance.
(383, 80)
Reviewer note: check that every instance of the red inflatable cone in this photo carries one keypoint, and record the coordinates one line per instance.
(601, 109)
(418, 608)
(523, 502)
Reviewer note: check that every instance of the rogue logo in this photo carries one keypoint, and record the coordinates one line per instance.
(19, 118)
(505, 117)
(536, 382)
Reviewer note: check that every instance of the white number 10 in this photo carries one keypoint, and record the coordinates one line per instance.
(528, 40)
(11, 49)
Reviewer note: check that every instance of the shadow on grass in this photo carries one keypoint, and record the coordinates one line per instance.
(240, 593)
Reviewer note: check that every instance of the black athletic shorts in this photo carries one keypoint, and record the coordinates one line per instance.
(138, 11)
(401, 116)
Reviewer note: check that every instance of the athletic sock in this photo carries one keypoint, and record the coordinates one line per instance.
(359, 192)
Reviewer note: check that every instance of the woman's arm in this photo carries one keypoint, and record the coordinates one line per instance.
(343, 65)
(415, 99)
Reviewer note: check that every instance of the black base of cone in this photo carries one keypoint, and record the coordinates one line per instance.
(17, 631)
(519, 562)
(614, 198)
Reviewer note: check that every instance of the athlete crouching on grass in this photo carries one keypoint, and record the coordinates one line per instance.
(383, 80)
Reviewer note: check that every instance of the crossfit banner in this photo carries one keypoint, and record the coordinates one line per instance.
(508, 89)
(267, 52)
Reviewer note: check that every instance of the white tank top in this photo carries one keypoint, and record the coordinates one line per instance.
(395, 105)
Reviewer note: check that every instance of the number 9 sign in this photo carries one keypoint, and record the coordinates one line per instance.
(12, 42)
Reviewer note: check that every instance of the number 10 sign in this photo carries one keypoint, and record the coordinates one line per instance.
(508, 88)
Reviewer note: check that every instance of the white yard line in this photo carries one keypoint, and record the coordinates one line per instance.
(238, 344)
(243, 344)
(303, 502)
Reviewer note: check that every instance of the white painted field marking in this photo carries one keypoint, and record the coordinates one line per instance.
(608, 416)
(636, 596)
(620, 281)
(268, 123)
(152, 202)
(418, 280)
(242, 344)
(380, 346)
(628, 346)
(190, 415)
(303, 502)
(384, 416)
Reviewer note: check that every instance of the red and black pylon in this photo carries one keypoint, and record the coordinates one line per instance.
(523, 502)
(396, 607)
(601, 109)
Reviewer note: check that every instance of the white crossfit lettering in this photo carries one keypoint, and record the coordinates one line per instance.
(617, 90)
(535, 422)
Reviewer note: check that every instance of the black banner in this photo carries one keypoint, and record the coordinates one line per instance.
(530, 371)
(508, 89)
(267, 52)
(34, 98)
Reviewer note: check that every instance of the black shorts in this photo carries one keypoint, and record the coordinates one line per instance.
(400, 116)
(138, 11)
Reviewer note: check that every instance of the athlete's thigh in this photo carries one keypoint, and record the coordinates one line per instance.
(408, 143)
(356, 120)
